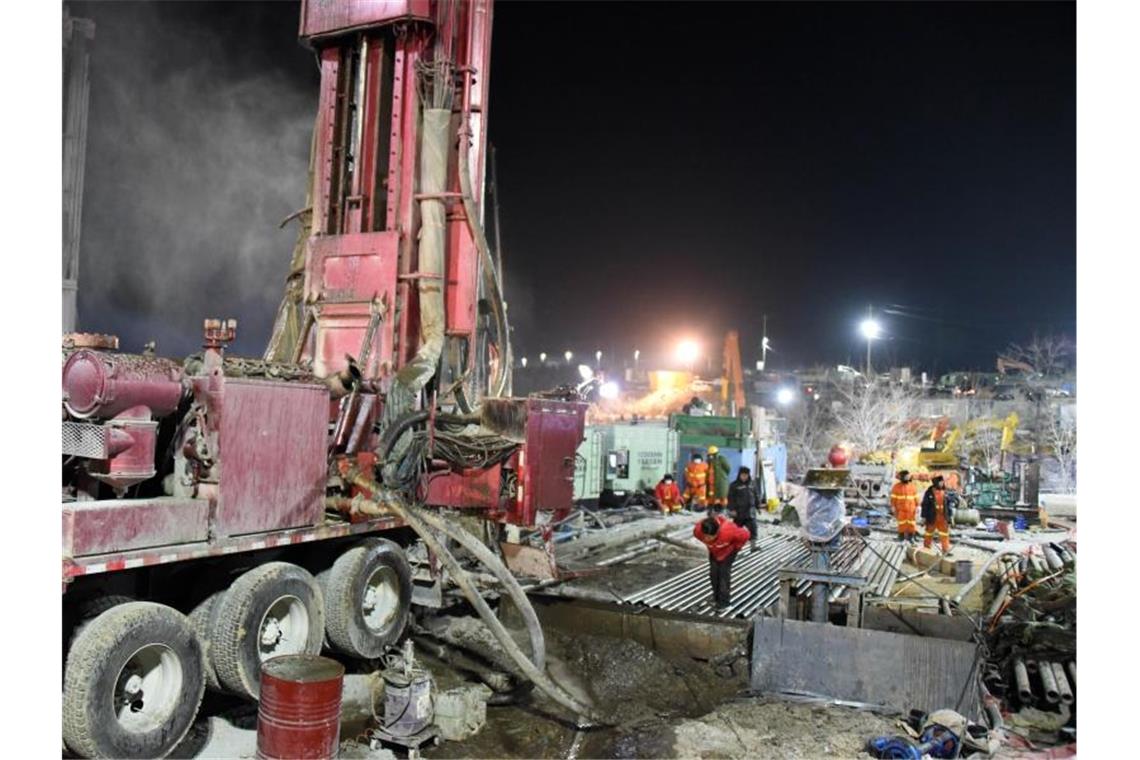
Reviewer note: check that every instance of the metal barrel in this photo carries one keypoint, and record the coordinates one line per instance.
(298, 717)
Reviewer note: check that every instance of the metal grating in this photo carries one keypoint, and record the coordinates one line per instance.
(82, 439)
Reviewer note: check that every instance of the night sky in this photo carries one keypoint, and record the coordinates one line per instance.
(664, 170)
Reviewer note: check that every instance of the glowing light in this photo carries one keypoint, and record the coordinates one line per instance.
(870, 329)
(542, 357)
(785, 396)
(569, 355)
(585, 372)
(688, 351)
(598, 356)
(609, 390)
(524, 362)
(636, 354)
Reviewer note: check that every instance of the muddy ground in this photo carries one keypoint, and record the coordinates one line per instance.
(662, 708)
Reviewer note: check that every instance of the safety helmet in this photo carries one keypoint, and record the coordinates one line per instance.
(713, 450)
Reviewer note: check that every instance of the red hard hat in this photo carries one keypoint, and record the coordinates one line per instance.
(837, 457)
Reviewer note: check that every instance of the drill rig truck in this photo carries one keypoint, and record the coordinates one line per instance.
(219, 511)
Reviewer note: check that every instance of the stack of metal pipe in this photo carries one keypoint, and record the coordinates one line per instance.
(755, 579)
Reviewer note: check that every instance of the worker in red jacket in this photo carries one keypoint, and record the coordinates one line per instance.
(668, 495)
(724, 539)
(904, 505)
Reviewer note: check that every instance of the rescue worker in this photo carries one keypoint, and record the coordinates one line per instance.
(744, 501)
(719, 470)
(723, 539)
(904, 505)
(668, 495)
(696, 482)
(937, 509)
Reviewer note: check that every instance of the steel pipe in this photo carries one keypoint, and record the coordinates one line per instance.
(1051, 558)
(1063, 688)
(1021, 677)
(1048, 681)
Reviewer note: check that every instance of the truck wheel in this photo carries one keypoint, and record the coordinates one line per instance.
(271, 610)
(133, 683)
(367, 592)
(201, 620)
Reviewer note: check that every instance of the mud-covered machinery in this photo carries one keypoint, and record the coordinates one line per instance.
(212, 497)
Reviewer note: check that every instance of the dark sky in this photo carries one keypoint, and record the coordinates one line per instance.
(664, 169)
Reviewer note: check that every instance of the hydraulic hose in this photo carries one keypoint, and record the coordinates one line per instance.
(498, 307)
(488, 559)
(412, 517)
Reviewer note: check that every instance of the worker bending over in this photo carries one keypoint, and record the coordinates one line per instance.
(723, 539)
(668, 495)
(744, 501)
(937, 509)
(904, 505)
(719, 470)
(696, 482)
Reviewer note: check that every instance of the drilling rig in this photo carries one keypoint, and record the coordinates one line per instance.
(219, 511)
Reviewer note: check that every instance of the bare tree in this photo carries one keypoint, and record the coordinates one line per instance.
(1047, 355)
(873, 417)
(1059, 436)
(808, 436)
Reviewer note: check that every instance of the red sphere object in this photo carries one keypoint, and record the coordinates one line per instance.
(838, 456)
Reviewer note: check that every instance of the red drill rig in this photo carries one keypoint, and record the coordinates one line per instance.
(220, 511)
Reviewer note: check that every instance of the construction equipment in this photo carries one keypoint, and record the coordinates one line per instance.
(221, 511)
(734, 376)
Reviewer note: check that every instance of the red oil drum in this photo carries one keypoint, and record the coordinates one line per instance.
(299, 713)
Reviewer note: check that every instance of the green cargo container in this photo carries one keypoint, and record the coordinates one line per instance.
(724, 432)
(624, 457)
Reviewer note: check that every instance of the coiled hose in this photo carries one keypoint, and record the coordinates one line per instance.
(419, 521)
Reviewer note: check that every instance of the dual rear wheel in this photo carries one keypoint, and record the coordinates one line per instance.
(136, 671)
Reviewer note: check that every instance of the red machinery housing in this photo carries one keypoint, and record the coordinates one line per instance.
(213, 451)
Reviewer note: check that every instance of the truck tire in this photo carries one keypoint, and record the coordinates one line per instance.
(367, 592)
(133, 683)
(269, 611)
(202, 619)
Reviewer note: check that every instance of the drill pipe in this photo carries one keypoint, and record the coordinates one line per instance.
(1063, 687)
(686, 589)
(696, 589)
(1048, 681)
(756, 577)
(1072, 670)
(1021, 676)
(414, 521)
(1051, 558)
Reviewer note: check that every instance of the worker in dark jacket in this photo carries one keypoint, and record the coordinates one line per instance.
(723, 539)
(937, 511)
(744, 501)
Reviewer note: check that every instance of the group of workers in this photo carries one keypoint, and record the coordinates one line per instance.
(707, 487)
(937, 508)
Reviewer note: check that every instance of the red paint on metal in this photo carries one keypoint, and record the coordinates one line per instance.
(272, 449)
(467, 489)
(322, 17)
(298, 715)
(546, 464)
(131, 445)
(99, 384)
(93, 565)
(102, 527)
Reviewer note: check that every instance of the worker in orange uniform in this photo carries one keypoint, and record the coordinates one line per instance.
(719, 470)
(668, 495)
(696, 482)
(724, 539)
(904, 505)
(937, 509)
